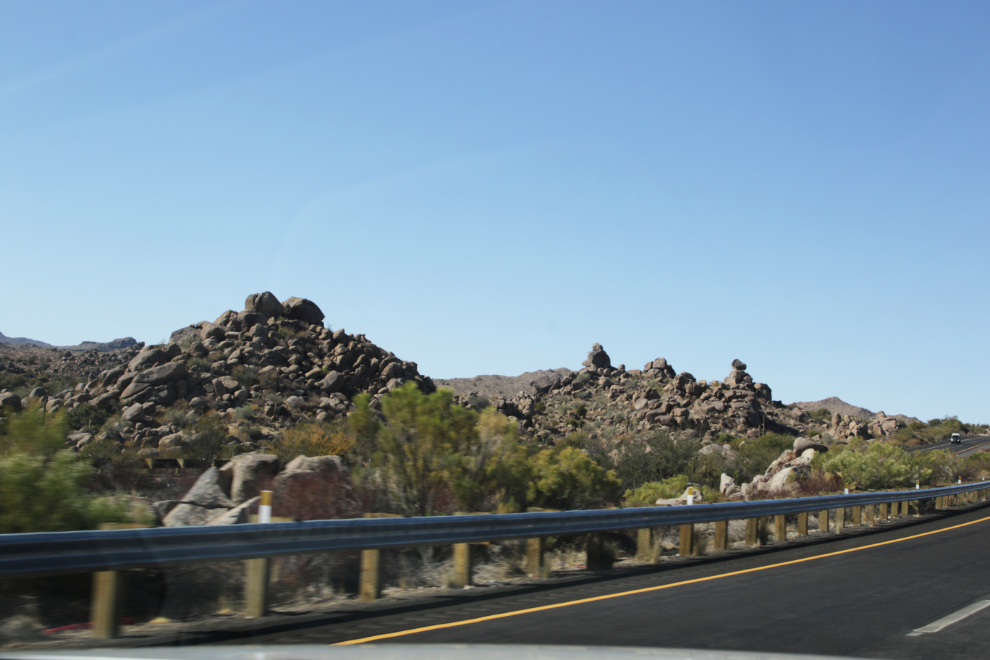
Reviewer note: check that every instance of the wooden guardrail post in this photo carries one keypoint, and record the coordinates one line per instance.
(596, 559)
(905, 508)
(687, 540)
(780, 528)
(370, 579)
(108, 595)
(840, 519)
(722, 535)
(857, 518)
(462, 564)
(106, 604)
(802, 523)
(823, 521)
(646, 541)
(752, 532)
(882, 515)
(534, 556)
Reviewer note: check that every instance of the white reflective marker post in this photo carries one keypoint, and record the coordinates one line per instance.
(265, 507)
(259, 570)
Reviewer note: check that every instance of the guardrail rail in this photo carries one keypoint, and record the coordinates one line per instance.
(104, 553)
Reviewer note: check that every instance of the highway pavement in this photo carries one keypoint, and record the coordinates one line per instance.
(862, 595)
(966, 447)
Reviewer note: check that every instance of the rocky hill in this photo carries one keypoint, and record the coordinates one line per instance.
(273, 364)
(274, 359)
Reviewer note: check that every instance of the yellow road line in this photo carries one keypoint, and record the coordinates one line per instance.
(971, 448)
(542, 608)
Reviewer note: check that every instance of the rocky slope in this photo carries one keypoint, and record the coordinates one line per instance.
(273, 364)
(276, 358)
(612, 403)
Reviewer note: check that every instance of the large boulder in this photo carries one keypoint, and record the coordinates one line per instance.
(148, 357)
(739, 364)
(162, 374)
(597, 358)
(211, 490)
(801, 444)
(249, 474)
(312, 488)
(191, 515)
(10, 401)
(133, 413)
(236, 516)
(265, 304)
(333, 382)
(784, 482)
(545, 382)
(301, 309)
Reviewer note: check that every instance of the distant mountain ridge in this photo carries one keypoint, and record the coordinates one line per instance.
(499, 386)
(836, 405)
(123, 342)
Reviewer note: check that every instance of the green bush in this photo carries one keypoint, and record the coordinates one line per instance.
(755, 456)
(86, 415)
(668, 489)
(247, 376)
(881, 465)
(34, 432)
(39, 494)
(569, 479)
(822, 415)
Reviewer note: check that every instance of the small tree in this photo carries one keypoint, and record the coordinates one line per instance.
(414, 452)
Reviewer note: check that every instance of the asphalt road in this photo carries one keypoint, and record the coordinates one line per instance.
(860, 596)
(966, 447)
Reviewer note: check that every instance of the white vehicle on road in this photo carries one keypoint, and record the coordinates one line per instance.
(955, 439)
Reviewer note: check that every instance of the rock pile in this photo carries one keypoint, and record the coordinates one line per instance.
(306, 489)
(600, 396)
(275, 355)
(781, 478)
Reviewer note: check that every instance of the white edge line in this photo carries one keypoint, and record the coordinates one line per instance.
(955, 617)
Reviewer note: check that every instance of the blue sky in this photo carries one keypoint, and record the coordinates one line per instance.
(493, 187)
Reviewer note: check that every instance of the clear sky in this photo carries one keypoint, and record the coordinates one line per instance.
(493, 187)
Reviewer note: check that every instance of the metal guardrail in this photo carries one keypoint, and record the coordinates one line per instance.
(80, 552)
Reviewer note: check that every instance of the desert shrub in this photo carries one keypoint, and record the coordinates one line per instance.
(33, 432)
(822, 415)
(13, 382)
(409, 455)
(247, 376)
(477, 402)
(188, 341)
(310, 439)
(755, 456)
(207, 436)
(881, 465)
(570, 479)
(39, 494)
(86, 415)
(246, 413)
(667, 489)
(638, 460)
(270, 380)
(198, 364)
